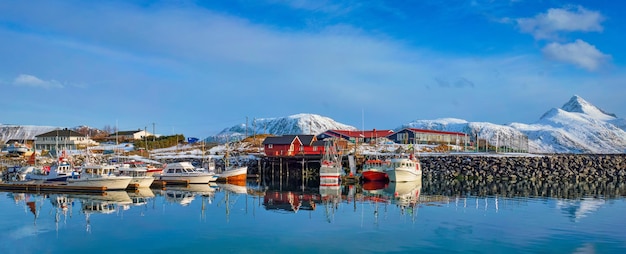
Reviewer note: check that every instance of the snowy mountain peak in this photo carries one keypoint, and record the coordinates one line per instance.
(579, 105)
(294, 124)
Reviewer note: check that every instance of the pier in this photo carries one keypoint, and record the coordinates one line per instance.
(49, 187)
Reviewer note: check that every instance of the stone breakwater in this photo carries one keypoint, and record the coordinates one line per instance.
(570, 167)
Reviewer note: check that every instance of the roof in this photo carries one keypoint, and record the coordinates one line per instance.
(280, 140)
(360, 133)
(61, 133)
(306, 139)
(435, 132)
(124, 133)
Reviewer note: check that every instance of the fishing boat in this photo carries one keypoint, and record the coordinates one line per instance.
(404, 169)
(184, 171)
(99, 176)
(374, 170)
(151, 170)
(233, 173)
(330, 166)
(60, 171)
(139, 175)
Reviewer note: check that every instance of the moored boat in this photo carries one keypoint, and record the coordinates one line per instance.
(374, 170)
(60, 171)
(139, 175)
(99, 176)
(404, 169)
(330, 166)
(184, 171)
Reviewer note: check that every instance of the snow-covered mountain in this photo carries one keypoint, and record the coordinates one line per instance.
(577, 127)
(294, 124)
(28, 132)
(22, 132)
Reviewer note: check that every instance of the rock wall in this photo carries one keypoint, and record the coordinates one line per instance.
(570, 167)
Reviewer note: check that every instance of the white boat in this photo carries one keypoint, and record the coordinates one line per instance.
(139, 175)
(151, 170)
(404, 169)
(18, 173)
(330, 166)
(99, 176)
(184, 171)
(60, 171)
(233, 173)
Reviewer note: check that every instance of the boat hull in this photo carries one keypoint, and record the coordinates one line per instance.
(142, 182)
(330, 172)
(404, 175)
(111, 183)
(237, 174)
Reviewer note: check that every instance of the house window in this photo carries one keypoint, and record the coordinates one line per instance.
(315, 148)
(301, 148)
(270, 146)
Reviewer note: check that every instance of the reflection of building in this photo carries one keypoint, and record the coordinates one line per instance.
(63, 139)
(288, 201)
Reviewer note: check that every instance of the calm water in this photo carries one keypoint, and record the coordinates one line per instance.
(429, 217)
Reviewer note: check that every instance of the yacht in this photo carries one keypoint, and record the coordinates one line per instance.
(184, 171)
(404, 169)
(99, 176)
(139, 175)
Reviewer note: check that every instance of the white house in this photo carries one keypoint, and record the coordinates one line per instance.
(63, 139)
(130, 135)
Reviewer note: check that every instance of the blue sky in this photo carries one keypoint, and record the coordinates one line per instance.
(196, 67)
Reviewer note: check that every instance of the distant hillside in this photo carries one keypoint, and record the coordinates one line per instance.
(577, 127)
(294, 124)
(28, 132)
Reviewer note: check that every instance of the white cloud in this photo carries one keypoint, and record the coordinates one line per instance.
(579, 53)
(32, 81)
(547, 25)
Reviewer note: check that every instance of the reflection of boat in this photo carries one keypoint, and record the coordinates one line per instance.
(141, 196)
(99, 176)
(101, 204)
(199, 189)
(374, 187)
(404, 169)
(139, 175)
(184, 171)
(233, 188)
(404, 194)
(181, 197)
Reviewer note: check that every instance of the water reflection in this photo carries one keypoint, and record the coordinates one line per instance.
(553, 189)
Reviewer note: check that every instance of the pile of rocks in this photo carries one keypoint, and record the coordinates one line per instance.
(569, 167)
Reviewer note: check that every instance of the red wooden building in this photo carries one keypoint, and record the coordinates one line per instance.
(293, 145)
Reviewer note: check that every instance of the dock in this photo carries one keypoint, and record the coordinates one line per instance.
(49, 187)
